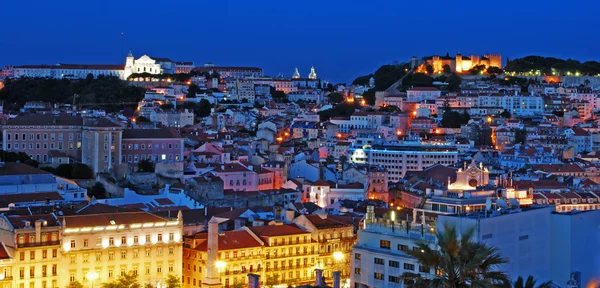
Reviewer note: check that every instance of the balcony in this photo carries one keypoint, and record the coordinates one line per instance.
(38, 244)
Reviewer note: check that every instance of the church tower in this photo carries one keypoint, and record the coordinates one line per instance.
(129, 61)
(296, 74)
(313, 74)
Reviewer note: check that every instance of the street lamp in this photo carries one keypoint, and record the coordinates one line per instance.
(92, 275)
(221, 267)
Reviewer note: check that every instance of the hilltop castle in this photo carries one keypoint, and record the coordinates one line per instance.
(460, 63)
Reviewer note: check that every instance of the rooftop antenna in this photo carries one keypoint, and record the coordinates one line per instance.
(122, 39)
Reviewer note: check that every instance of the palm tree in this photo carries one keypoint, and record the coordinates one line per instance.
(460, 262)
(530, 283)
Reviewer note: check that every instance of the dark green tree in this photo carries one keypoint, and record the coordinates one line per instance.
(429, 69)
(145, 166)
(521, 136)
(336, 97)
(166, 106)
(203, 108)
(75, 284)
(454, 82)
(447, 69)
(97, 190)
(81, 171)
(330, 159)
(461, 261)
(530, 283)
(454, 119)
(494, 70)
(173, 281)
(192, 91)
(129, 280)
(505, 114)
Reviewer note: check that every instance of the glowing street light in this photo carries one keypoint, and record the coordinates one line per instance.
(489, 119)
(338, 256)
(220, 267)
(92, 275)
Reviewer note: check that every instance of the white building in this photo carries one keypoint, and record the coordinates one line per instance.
(398, 159)
(69, 71)
(418, 94)
(179, 118)
(538, 242)
(379, 257)
(315, 96)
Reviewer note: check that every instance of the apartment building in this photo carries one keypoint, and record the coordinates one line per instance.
(38, 134)
(112, 243)
(280, 254)
(379, 257)
(157, 145)
(33, 241)
(100, 144)
(397, 159)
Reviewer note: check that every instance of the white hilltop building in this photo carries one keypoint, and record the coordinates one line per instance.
(147, 64)
(296, 74)
(312, 74)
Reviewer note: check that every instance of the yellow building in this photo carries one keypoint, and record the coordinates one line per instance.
(104, 246)
(335, 235)
(279, 254)
(33, 243)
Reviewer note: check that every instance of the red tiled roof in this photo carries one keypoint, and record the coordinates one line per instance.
(30, 197)
(423, 89)
(160, 133)
(4, 252)
(277, 230)
(329, 221)
(229, 240)
(126, 218)
(164, 201)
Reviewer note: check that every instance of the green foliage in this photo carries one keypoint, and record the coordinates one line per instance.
(72, 171)
(454, 82)
(453, 119)
(103, 89)
(477, 69)
(145, 166)
(390, 108)
(173, 281)
(142, 119)
(385, 76)
(530, 283)
(369, 96)
(192, 90)
(494, 70)
(521, 136)
(75, 284)
(461, 261)
(429, 69)
(336, 97)
(19, 156)
(166, 106)
(200, 109)
(278, 96)
(548, 65)
(97, 190)
(340, 110)
(505, 114)
(417, 80)
(330, 159)
(362, 80)
(447, 69)
(129, 280)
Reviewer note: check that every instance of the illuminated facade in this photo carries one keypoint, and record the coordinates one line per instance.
(113, 244)
(460, 63)
(34, 244)
(279, 254)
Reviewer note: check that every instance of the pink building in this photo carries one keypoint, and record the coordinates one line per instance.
(38, 134)
(157, 145)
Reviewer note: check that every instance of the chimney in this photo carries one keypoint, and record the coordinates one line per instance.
(38, 231)
(319, 278)
(336, 279)
(253, 281)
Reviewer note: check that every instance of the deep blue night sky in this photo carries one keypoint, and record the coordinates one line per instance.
(342, 39)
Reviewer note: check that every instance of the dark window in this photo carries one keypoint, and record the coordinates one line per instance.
(394, 279)
(394, 263)
(378, 261)
(402, 247)
(357, 271)
(378, 276)
(423, 269)
(356, 256)
(408, 266)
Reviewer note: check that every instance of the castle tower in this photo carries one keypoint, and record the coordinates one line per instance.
(212, 275)
(458, 62)
(313, 74)
(296, 74)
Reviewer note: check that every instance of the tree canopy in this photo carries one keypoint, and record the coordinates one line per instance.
(103, 89)
(129, 280)
(145, 166)
(460, 262)
(71, 171)
(336, 97)
(552, 66)
(343, 109)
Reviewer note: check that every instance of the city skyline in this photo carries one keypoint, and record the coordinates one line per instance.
(340, 43)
